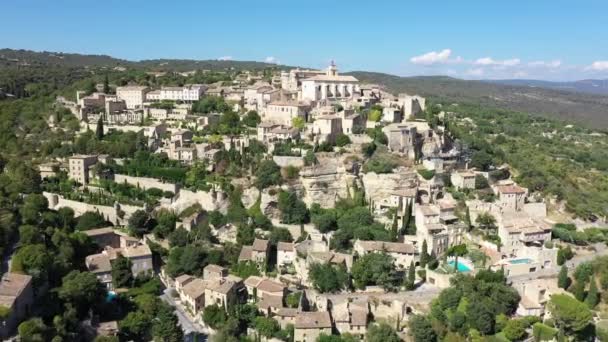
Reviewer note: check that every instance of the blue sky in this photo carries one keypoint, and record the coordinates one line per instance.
(542, 39)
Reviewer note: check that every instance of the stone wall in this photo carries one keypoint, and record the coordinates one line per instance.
(146, 183)
(284, 161)
(209, 201)
(380, 186)
(118, 214)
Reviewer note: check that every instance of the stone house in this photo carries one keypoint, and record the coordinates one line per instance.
(310, 325)
(258, 287)
(326, 128)
(511, 197)
(16, 295)
(286, 253)
(463, 180)
(100, 264)
(438, 226)
(403, 254)
(351, 317)
(198, 293)
(402, 139)
(258, 252)
(212, 271)
(79, 167)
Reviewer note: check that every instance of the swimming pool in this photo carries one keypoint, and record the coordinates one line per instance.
(462, 268)
(520, 261)
(110, 296)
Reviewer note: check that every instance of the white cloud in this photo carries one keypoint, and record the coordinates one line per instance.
(271, 59)
(598, 66)
(520, 74)
(225, 58)
(546, 64)
(475, 72)
(488, 61)
(433, 57)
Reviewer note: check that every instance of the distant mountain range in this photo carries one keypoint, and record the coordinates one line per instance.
(583, 86)
(585, 101)
(585, 108)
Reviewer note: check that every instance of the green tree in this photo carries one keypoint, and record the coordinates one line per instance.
(381, 333)
(593, 296)
(421, 329)
(570, 315)
(293, 299)
(139, 223)
(90, 220)
(298, 123)
(293, 209)
(411, 276)
(373, 269)
(252, 118)
(82, 290)
(267, 174)
(32, 330)
(214, 316)
(106, 85)
(33, 207)
(342, 140)
(424, 255)
(563, 281)
(99, 129)
(267, 327)
(166, 327)
(135, 326)
(515, 329)
(121, 272)
(329, 278)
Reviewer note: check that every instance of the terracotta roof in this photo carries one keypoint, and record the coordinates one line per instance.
(270, 301)
(245, 254)
(511, 189)
(428, 210)
(285, 246)
(253, 281)
(287, 312)
(268, 285)
(12, 286)
(99, 231)
(137, 251)
(214, 268)
(195, 289)
(98, 263)
(313, 320)
(389, 247)
(260, 245)
(184, 279)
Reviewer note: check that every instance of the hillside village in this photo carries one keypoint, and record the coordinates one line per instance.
(301, 204)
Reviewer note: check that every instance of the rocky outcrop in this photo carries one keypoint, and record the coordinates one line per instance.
(328, 180)
(380, 186)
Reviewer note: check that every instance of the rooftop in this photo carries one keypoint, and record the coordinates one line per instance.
(313, 320)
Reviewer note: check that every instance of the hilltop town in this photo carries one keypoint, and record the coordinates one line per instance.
(284, 205)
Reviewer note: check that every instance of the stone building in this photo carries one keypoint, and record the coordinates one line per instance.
(330, 86)
(16, 295)
(134, 96)
(283, 112)
(258, 252)
(402, 253)
(463, 179)
(79, 167)
(402, 139)
(310, 325)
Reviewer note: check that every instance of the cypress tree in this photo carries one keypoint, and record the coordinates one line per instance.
(424, 255)
(395, 227)
(468, 219)
(411, 277)
(562, 278)
(99, 129)
(106, 85)
(592, 296)
(578, 290)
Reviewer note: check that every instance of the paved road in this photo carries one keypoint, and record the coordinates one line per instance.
(188, 326)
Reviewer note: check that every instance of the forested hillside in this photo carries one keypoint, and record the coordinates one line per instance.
(586, 109)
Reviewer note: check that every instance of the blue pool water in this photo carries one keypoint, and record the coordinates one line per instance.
(520, 261)
(461, 267)
(110, 296)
